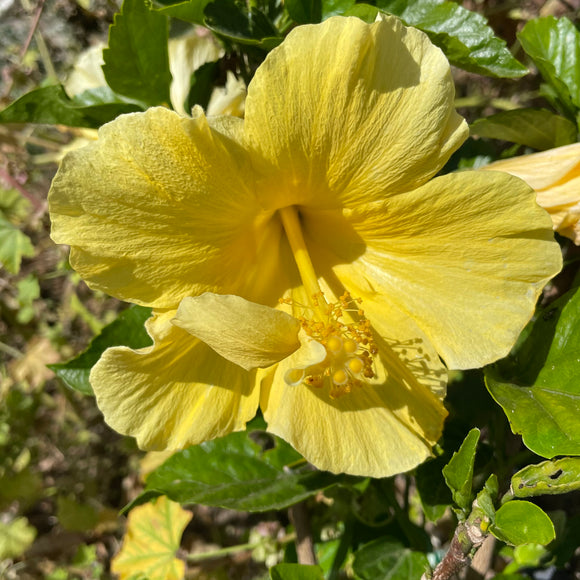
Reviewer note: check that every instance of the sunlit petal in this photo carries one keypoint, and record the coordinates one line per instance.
(176, 393)
(452, 255)
(161, 207)
(372, 117)
(245, 333)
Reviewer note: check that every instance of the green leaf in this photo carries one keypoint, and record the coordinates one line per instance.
(102, 105)
(521, 522)
(137, 58)
(365, 12)
(434, 494)
(45, 105)
(536, 128)
(458, 472)
(202, 85)
(295, 572)
(15, 538)
(538, 384)
(549, 477)
(486, 498)
(74, 516)
(233, 472)
(14, 245)
(464, 36)
(126, 330)
(387, 559)
(335, 7)
(233, 21)
(189, 11)
(52, 106)
(28, 291)
(304, 11)
(554, 46)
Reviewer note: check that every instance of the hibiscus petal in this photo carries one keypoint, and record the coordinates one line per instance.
(373, 115)
(544, 169)
(465, 256)
(176, 393)
(377, 430)
(161, 207)
(245, 333)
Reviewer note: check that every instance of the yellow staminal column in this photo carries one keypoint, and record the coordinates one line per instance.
(293, 229)
(349, 344)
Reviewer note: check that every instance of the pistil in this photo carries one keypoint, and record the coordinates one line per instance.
(348, 341)
(293, 229)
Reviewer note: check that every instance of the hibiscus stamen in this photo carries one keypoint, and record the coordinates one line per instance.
(349, 346)
(341, 326)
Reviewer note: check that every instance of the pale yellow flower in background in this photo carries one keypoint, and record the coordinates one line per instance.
(187, 53)
(555, 176)
(305, 260)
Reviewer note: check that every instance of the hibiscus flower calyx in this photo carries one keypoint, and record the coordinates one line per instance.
(349, 345)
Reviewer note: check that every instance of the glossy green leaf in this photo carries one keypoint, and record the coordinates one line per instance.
(521, 522)
(365, 12)
(464, 36)
(304, 11)
(433, 492)
(202, 85)
(335, 7)
(101, 105)
(137, 58)
(238, 24)
(554, 46)
(189, 11)
(487, 497)
(538, 384)
(233, 472)
(295, 572)
(387, 559)
(458, 472)
(127, 330)
(51, 105)
(536, 128)
(14, 245)
(46, 105)
(549, 477)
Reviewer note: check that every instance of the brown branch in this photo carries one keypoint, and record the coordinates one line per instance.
(467, 539)
(304, 544)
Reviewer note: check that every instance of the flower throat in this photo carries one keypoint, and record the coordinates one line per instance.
(349, 343)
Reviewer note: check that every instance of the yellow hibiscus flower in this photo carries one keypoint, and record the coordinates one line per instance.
(555, 176)
(321, 198)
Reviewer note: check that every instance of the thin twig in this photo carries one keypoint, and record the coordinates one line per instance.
(38, 205)
(25, 47)
(304, 543)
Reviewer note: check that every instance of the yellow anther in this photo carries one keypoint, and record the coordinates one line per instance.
(339, 377)
(314, 381)
(355, 365)
(334, 344)
(350, 346)
(294, 377)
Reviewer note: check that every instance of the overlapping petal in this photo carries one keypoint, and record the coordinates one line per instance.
(371, 116)
(555, 176)
(162, 207)
(387, 426)
(176, 393)
(453, 255)
(248, 334)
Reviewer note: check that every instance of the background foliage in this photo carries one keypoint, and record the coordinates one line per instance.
(508, 463)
